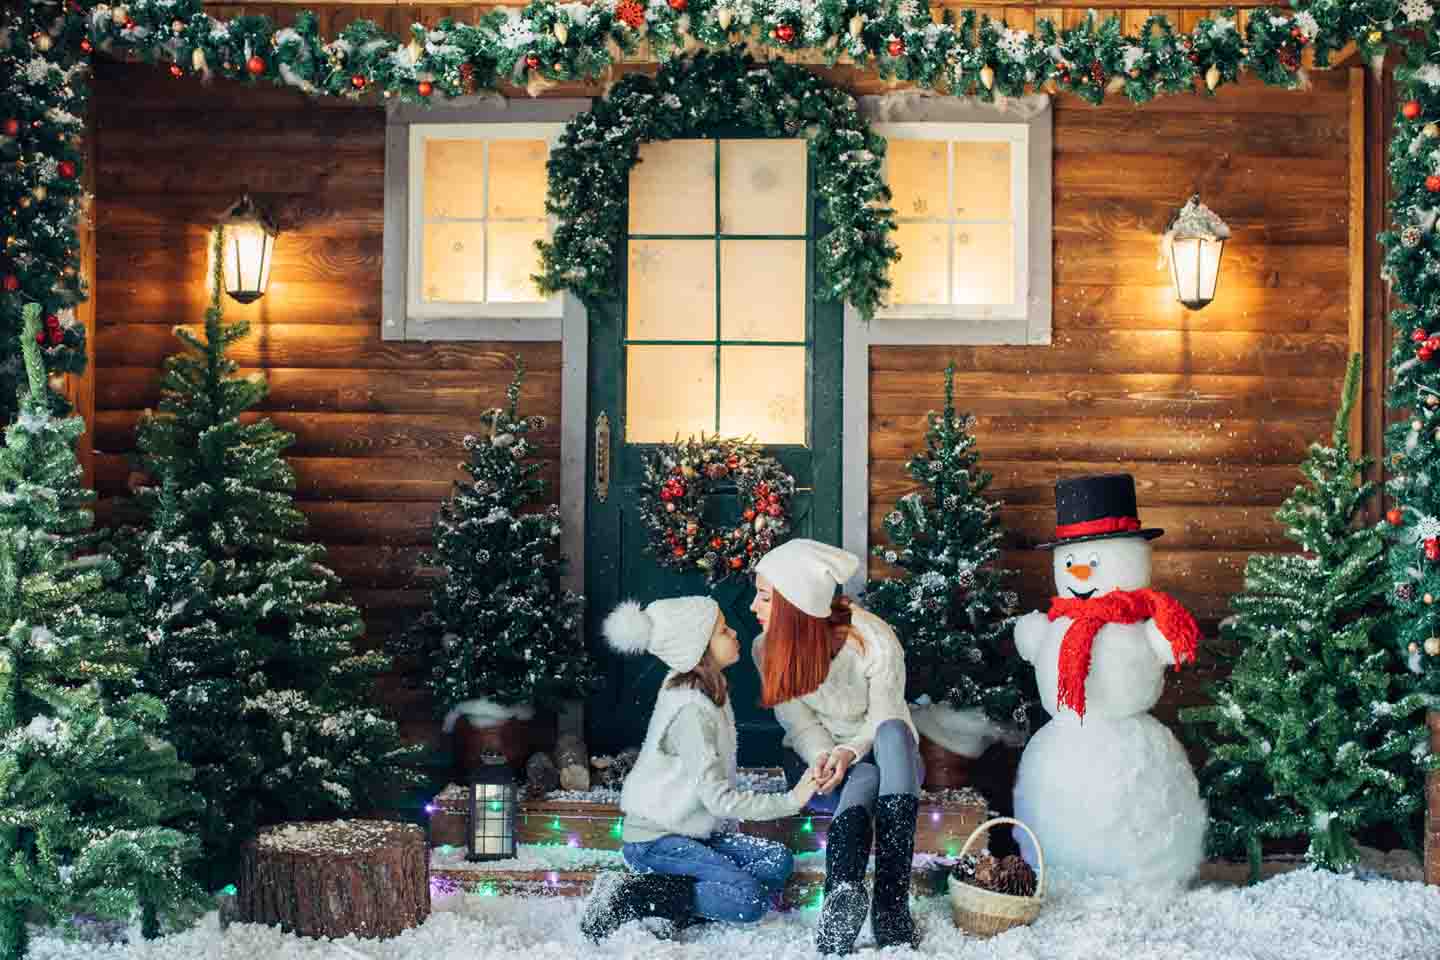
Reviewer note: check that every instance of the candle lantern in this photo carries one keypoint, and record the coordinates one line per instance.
(248, 248)
(494, 806)
(1194, 243)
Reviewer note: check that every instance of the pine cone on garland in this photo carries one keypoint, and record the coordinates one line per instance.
(1404, 592)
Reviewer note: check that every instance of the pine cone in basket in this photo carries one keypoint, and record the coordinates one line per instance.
(1014, 876)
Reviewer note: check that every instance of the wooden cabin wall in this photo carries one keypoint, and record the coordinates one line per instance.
(1211, 410)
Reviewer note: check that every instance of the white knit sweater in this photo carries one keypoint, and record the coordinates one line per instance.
(684, 779)
(864, 688)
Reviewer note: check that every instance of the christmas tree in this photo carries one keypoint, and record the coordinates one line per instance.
(951, 608)
(268, 697)
(500, 627)
(83, 785)
(1317, 731)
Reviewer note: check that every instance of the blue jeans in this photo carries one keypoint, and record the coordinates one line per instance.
(735, 875)
(893, 765)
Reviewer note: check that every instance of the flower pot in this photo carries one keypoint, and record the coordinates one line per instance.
(943, 770)
(513, 739)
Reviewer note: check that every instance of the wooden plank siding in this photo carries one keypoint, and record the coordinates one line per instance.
(1211, 411)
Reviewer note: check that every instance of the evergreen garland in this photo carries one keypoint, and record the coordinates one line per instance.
(953, 609)
(1317, 731)
(500, 627)
(590, 169)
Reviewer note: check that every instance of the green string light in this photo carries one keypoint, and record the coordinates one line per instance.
(808, 826)
(555, 824)
(618, 828)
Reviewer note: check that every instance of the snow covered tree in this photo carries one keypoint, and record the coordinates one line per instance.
(1318, 731)
(951, 609)
(500, 627)
(268, 697)
(83, 784)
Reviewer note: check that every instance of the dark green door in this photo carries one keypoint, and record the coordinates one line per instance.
(717, 331)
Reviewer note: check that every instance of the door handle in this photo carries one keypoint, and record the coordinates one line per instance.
(602, 457)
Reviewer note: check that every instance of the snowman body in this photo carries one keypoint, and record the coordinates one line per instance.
(1113, 792)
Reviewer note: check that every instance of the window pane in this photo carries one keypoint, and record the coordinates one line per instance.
(453, 263)
(671, 293)
(762, 289)
(454, 178)
(921, 275)
(513, 258)
(915, 170)
(984, 264)
(672, 188)
(762, 186)
(982, 181)
(517, 178)
(670, 392)
(762, 393)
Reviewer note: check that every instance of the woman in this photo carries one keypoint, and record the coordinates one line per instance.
(835, 676)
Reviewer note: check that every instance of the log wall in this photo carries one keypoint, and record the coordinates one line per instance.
(1211, 411)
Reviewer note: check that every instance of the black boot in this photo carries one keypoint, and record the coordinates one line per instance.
(619, 898)
(847, 851)
(894, 851)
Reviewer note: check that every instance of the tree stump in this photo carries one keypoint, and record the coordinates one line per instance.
(1432, 805)
(366, 877)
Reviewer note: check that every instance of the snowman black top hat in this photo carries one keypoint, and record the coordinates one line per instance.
(1096, 508)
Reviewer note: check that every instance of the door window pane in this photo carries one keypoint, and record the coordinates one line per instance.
(670, 392)
(671, 290)
(672, 188)
(762, 290)
(762, 186)
(762, 393)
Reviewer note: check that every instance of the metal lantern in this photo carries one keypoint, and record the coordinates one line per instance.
(247, 251)
(494, 805)
(1194, 244)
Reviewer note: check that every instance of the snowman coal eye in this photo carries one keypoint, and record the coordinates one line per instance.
(1069, 561)
(1094, 560)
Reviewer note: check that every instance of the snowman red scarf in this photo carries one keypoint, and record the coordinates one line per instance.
(1120, 606)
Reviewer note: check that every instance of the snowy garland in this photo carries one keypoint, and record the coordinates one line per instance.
(693, 97)
(679, 479)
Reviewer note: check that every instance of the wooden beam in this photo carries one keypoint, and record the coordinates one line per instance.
(1356, 284)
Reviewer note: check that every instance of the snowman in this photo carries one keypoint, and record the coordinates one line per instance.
(1106, 787)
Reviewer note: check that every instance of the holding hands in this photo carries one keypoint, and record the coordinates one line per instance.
(803, 790)
(830, 769)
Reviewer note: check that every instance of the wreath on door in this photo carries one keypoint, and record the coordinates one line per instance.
(590, 169)
(675, 491)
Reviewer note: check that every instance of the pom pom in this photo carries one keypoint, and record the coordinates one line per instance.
(627, 629)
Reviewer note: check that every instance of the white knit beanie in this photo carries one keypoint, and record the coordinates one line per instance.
(806, 573)
(676, 630)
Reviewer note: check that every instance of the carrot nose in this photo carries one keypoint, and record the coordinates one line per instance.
(1080, 572)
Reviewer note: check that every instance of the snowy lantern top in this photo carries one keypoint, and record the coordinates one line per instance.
(1193, 244)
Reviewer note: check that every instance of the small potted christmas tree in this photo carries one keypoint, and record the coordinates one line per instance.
(502, 636)
(950, 607)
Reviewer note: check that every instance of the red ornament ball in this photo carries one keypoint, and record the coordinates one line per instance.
(532, 61)
(424, 88)
(678, 5)
(40, 338)
(12, 127)
(1419, 336)
(774, 510)
(1411, 110)
(358, 82)
(11, 282)
(896, 47)
(86, 46)
(52, 322)
(1297, 33)
(716, 543)
(678, 551)
(1394, 517)
(175, 70)
(255, 65)
(67, 169)
(785, 33)
(1432, 183)
(1432, 549)
(57, 337)
(631, 13)
(736, 563)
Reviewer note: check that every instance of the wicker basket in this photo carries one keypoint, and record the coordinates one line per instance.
(985, 913)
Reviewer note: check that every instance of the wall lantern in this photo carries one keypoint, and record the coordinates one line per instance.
(1194, 243)
(494, 804)
(248, 249)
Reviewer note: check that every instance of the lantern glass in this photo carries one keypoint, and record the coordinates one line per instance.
(248, 249)
(494, 805)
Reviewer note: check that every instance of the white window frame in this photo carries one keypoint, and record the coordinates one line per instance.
(419, 310)
(1017, 135)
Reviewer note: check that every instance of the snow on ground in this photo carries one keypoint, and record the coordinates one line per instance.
(1306, 915)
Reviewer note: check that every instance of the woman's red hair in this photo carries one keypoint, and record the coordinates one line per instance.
(799, 648)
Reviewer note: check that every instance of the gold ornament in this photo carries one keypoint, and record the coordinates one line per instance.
(1116, 84)
(416, 51)
(1375, 36)
(1416, 425)
(197, 60)
(40, 192)
(1212, 77)
(1432, 646)
(1428, 598)
(120, 14)
(1414, 647)
(987, 76)
(69, 271)
(857, 24)
(1431, 130)
(43, 42)
(562, 32)
(1432, 401)
(24, 203)
(177, 27)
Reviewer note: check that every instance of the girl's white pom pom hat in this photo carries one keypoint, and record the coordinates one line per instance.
(676, 630)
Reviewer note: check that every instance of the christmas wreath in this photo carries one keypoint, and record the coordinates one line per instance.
(678, 481)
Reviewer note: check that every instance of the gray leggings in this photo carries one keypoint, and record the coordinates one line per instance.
(892, 766)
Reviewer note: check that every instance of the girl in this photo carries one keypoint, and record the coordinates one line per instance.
(835, 675)
(681, 791)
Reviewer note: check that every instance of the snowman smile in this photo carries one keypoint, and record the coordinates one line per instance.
(1082, 594)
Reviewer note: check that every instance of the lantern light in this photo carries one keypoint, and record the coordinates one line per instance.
(494, 803)
(249, 246)
(1194, 244)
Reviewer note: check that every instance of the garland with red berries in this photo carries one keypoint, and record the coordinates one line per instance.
(674, 494)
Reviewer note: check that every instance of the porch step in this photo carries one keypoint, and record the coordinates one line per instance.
(945, 822)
